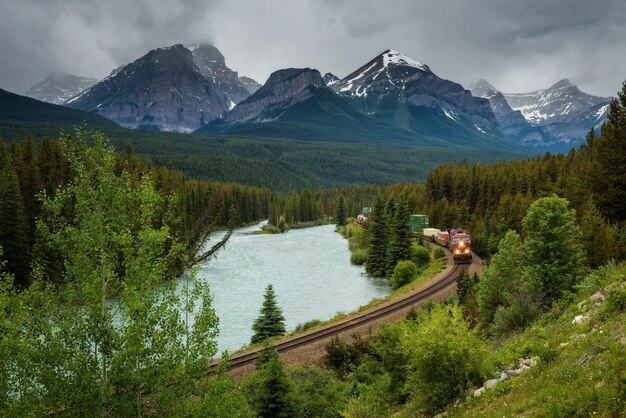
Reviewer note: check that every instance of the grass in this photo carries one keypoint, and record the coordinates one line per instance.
(582, 371)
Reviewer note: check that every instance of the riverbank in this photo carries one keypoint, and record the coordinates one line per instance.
(285, 227)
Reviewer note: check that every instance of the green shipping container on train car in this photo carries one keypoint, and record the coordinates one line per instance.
(419, 222)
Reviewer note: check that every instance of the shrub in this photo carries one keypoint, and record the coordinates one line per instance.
(615, 299)
(403, 273)
(419, 255)
(445, 357)
(438, 253)
(359, 256)
(307, 325)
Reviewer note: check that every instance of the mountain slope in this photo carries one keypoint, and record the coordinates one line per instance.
(165, 90)
(558, 103)
(59, 88)
(213, 67)
(16, 110)
(330, 79)
(405, 93)
(563, 112)
(295, 103)
(511, 122)
(250, 84)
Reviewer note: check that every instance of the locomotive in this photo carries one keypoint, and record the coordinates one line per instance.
(457, 240)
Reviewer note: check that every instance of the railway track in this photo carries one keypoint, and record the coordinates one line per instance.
(351, 323)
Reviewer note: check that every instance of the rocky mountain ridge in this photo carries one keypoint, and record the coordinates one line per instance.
(59, 88)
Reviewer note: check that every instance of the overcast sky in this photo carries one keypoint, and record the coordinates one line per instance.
(517, 45)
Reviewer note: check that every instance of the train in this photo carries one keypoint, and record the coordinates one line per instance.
(457, 240)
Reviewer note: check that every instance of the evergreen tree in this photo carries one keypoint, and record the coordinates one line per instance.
(553, 253)
(273, 395)
(340, 212)
(14, 229)
(271, 321)
(377, 251)
(595, 235)
(400, 240)
(609, 155)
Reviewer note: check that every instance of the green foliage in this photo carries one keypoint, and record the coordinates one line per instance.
(500, 277)
(344, 357)
(400, 236)
(552, 253)
(340, 212)
(359, 257)
(403, 273)
(271, 321)
(14, 228)
(609, 159)
(377, 251)
(117, 357)
(317, 393)
(271, 396)
(445, 357)
(420, 255)
(615, 299)
(218, 397)
(307, 325)
(438, 253)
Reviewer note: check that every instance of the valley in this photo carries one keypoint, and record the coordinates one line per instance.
(312, 209)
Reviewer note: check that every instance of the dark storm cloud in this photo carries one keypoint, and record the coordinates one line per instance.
(517, 45)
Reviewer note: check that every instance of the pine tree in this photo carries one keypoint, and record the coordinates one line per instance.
(377, 251)
(340, 212)
(595, 235)
(272, 399)
(14, 228)
(609, 155)
(400, 239)
(271, 321)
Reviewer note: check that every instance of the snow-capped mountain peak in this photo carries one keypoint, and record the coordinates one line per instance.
(393, 57)
(388, 70)
(558, 103)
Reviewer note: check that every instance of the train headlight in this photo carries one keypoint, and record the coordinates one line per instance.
(467, 251)
(461, 244)
(457, 252)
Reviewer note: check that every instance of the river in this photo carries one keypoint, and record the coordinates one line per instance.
(309, 268)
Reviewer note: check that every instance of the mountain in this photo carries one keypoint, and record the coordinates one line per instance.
(330, 79)
(511, 122)
(58, 88)
(212, 65)
(250, 84)
(23, 115)
(168, 89)
(559, 103)
(562, 111)
(405, 93)
(295, 103)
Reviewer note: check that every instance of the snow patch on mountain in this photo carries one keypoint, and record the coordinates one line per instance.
(393, 57)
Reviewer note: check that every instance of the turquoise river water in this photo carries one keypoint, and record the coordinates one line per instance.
(309, 268)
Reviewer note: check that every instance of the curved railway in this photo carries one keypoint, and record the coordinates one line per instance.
(355, 321)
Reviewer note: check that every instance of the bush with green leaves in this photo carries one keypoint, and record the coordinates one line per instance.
(438, 253)
(359, 257)
(404, 272)
(445, 357)
(420, 255)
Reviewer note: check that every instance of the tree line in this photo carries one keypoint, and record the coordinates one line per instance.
(31, 172)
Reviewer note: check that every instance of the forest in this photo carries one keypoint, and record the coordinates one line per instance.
(82, 223)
